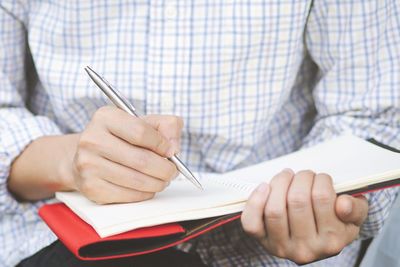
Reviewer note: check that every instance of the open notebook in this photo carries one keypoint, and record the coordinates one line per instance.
(355, 165)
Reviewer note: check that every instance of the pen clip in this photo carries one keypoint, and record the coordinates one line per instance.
(128, 105)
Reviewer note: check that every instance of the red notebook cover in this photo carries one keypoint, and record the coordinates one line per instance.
(82, 240)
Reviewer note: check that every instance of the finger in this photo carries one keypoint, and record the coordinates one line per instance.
(104, 192)
(300, 209)
(352, 232)
(137, 158)
(169, 126)
(275, 214)
(323, 199)
(133, 130)
(352, 209)
(126, 177)
(253, 214)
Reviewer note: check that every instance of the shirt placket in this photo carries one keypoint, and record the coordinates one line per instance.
(164, 60)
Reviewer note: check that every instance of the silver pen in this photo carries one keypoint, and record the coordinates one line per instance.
(121, 102)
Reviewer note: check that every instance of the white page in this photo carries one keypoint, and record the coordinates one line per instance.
(172, 217)
(346, 158)
(180, 196)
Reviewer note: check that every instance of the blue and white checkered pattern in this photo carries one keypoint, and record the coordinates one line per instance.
(252, 79)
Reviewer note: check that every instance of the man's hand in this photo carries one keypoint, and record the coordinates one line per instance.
(117, 158)
(121, 158)
(300, 218)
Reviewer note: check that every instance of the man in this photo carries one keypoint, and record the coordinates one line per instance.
(251, 80)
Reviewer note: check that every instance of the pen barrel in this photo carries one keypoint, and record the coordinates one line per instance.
(179, 165)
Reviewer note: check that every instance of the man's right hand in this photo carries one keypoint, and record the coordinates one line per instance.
(121, 158)
(118, 158)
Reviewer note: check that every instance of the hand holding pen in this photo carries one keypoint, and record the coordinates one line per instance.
(120, 158)
(121, 102)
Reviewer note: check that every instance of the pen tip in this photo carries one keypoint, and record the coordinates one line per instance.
(198, 184)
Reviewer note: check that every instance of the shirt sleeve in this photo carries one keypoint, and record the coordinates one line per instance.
(18, 125)
(355, 45)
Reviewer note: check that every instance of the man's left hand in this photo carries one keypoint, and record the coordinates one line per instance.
(300, 218)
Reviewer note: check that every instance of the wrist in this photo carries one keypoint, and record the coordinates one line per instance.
(43, 168)
(65, 174)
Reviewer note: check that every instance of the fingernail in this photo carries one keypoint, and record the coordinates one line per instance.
(262, 188)
(288, 170)
(348, 208)
(171, 151)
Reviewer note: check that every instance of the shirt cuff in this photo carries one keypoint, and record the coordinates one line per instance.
(14, 138)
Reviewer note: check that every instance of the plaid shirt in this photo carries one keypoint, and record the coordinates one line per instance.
(253, 80)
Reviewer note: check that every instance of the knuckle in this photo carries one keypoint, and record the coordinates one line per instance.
(102, 113)
(297, 199)
(280, 251)
(334, 245)
(82, 162)
(322, 197)
(274, 213)
(302, 255)
(86, 142)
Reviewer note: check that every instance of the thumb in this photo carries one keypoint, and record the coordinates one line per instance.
(352, 209)
(253, 214)
(169, 126)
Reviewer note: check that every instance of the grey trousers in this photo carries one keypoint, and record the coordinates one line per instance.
(385, 248)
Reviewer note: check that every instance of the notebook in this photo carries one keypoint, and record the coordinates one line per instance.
(355, 165)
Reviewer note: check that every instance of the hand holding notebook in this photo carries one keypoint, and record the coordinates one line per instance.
(354, 164)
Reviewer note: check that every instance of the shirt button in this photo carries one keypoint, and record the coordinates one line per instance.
(170, 12)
